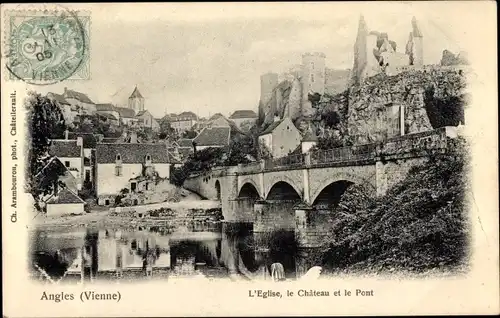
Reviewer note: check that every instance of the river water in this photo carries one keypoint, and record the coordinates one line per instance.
(87, 253)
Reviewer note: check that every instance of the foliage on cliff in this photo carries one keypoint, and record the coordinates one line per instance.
(444, 111)
(45, 121)
(420, 224)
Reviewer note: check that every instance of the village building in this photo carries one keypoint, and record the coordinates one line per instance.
(244, 119)
(120, 166)
(146, 120)
(83, 104)
(108, 109)
(183, 122)
(127, 116)
(69, 111)
(89, 144)
(65, 202)
(214, 137)
(280, 138)
(70, 153)
(308, 141)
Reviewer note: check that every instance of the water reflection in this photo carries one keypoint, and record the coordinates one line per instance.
(211, 250)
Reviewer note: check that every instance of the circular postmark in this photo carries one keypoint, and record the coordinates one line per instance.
(45, 47)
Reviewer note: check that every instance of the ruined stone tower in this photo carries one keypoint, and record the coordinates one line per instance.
(365, 63)
(136, 101)
(414, 47)
(268, 82)
(313, 79)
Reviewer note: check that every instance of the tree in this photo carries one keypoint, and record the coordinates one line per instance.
(443, 111)
(189, 134)
(45, 121)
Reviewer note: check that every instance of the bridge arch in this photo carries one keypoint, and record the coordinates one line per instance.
(250, 182)
(282, 190)
(249, 190)
(337, 184)
(274, 180)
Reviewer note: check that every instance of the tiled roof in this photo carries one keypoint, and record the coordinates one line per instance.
(271, 127)
(186, 116)
(65, 196)
(58, 98)
(64, 148)
(309, 136)
(215, 136)
(216, 115)
(89, 140)
(142, 112)
(125, 112)
(77, 95)
(132, 152)
(184, 142)
(105, 107)
(107, 115)
(136, 94)
(243, 114)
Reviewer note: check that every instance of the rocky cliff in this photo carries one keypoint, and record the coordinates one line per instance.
(374, 107)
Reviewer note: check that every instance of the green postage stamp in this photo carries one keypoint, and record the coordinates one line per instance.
(45, 47)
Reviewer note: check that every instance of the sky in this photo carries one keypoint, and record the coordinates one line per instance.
(208, 58)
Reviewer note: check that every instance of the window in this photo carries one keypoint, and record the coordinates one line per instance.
(118, 170)
(147, 186)
(106, 202)
(148, 157)
(118, 157)
(133, 186)
(66, 163)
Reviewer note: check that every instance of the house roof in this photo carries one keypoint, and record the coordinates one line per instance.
(215, 136)
(186, 116)
(105, 107)
(64, 148)
(216, 115)
(309, 136)
(52, 161)
(132, 152)
(107, 115)
(89, 140)
(184, 142)
(77, 95)
(58, 98)
(271, 127)
(65, 196)
(142, 112)
(125, 112)
(243, 114)
(136, 94)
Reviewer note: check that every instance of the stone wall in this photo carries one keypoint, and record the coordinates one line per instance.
(368, 115)
(270, 216)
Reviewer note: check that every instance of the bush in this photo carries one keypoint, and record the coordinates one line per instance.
(420, 224)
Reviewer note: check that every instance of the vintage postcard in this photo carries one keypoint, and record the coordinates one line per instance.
(249, 159)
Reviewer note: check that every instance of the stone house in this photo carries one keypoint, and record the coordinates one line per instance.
(70, 153)
(69, 111)
(244, 119)
(280, 138)
(214, 137)
(127, 116)
(83, 104)
(146, 120)
(89, 145)
(119, 164)
(65, 202)
(108, 109)
(183, 122)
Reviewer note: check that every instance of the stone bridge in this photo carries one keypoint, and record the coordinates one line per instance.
(299, 192)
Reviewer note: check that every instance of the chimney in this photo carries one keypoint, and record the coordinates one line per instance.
(66, 134)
